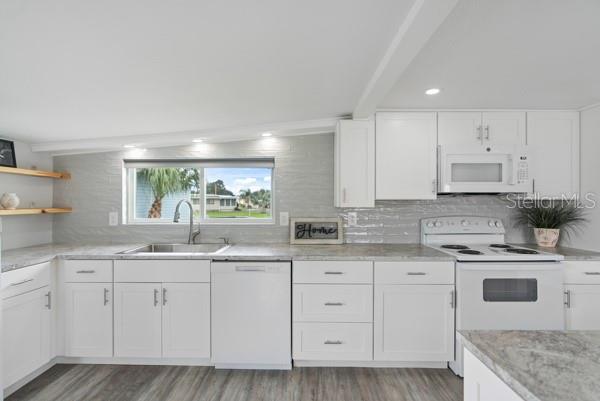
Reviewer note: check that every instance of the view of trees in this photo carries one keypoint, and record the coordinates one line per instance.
(260, 198)
(217, 188)
(167, 181)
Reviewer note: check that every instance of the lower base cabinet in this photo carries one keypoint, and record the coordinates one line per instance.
(26, 334)
(88, 311)
(414, 323)
(581, 307)
(154, 320)
(333, 341)
(481, 384)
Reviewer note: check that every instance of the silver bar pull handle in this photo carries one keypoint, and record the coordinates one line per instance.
(249, 268)
(487, 132)
(21, 282)
(592, 273)
(416, 274)
(568, 298)
(156, 297)
(479, 132)
(336, 342)
(335, 273)
(105, 296)
(164, 296)
(86, 271)
(452, 299)
(334, 304)
(49, 300)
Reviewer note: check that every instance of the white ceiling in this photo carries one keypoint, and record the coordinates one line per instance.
(73, 69)
(508, 54)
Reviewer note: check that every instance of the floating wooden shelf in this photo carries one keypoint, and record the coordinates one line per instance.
(46, 210)
(35, 173)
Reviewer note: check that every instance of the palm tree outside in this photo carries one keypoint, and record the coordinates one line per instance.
(167, 181)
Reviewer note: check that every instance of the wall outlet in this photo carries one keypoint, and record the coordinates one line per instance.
(352, 219)
(284, 219)
(113, 218)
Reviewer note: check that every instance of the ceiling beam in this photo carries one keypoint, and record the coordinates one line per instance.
(423, 19)
(294, 128)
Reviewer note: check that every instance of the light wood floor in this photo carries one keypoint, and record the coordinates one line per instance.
(172, 383)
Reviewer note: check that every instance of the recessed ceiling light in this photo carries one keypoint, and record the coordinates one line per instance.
(432, 91)
(198, 140)
(266, 134)
(129, 146)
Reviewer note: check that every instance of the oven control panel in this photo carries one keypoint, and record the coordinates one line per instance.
(462, 224)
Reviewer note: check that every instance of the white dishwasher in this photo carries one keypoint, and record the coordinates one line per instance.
(251, 315)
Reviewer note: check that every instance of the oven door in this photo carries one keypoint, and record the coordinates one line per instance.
(483, 170)
(510, 296)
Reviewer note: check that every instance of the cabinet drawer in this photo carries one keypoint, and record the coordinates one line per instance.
(332, 303)
(578, 272)
(162, 271)
(333, 341)
(23, 280)
(414, 272)
(333, 272)
(87, 271)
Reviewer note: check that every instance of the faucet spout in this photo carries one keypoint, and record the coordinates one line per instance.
(177, 216)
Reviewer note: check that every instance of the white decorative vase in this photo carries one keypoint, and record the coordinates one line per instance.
(546, 237)
(9, 201)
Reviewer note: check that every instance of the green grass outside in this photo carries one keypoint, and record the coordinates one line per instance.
(215, 214)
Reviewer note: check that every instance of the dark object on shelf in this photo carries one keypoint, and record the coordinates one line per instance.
(7, 153)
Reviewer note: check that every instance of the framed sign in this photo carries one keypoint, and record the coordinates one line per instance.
(313, 231)
(7, 153)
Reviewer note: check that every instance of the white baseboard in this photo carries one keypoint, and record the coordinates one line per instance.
(136, 361)
(254, 366)
(20, 383)
(370, 364)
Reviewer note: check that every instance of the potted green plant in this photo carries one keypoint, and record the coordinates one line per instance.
(550, 218)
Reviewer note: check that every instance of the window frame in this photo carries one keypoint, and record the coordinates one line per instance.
(129, 193)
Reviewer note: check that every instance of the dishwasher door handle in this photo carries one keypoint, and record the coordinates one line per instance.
(250, 269)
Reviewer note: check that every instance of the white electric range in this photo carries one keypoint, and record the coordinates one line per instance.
(498, 286)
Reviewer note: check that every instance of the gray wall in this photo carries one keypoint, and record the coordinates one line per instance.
(303, 185)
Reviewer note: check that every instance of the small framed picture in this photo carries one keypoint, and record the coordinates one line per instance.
(314, 231)
(7, 153)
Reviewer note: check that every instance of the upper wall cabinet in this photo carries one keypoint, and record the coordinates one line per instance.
(477, 128)
(354, 164)
(406, 153)
(553, 139)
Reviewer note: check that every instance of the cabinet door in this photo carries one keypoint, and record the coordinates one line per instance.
(504, 128)
(461, 127)
(553, 143)
(88, 319)
(186, 320)
(25, 334)
(414, 323)
(406, 154)
(582, 305)
(137, 320)
(354, 164)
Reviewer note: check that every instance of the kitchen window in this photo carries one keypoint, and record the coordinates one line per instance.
(238, 191)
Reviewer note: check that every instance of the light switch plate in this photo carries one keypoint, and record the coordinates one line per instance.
(352, 219)
(284, 219)
(113, 218)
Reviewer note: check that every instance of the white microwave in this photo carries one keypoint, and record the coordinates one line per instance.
(476, 169)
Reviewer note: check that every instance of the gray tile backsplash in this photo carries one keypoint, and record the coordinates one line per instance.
(303, 185)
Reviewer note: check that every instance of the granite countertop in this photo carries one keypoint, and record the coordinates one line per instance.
(542, 365)
(568, 253)
(22, 257)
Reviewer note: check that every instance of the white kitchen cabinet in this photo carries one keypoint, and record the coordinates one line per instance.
(354, 164)
(137, 320)
(414, 323)
(406, 154)
(333, 341)
(582, 305)
(482, 128)
(481, 384)
(26, 334)
(186, 320)
(88, 316)
(553, 145)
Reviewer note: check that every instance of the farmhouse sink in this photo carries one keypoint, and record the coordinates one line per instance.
(153, 249)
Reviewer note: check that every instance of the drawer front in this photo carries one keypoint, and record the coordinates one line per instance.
(333, 272)
(162, 271)
(414, 272)
(332, 303)
(23, 280)
(87, 271)
(333, 341)
(582, 272)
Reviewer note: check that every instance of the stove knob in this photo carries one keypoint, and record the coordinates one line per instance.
(430, 224)
(498, 223)
(438, 223)
(464, 223)
(491, 223)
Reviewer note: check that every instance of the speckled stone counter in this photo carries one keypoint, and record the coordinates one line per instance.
(18, 258)
(568, 253)
(542, 365)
